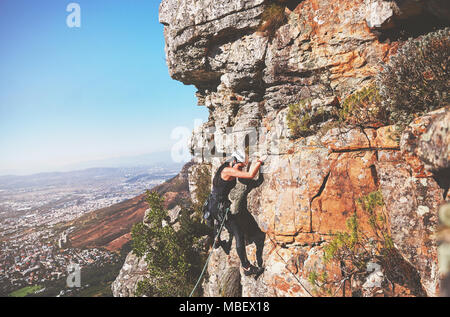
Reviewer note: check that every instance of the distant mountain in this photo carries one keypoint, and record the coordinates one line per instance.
(86, 176)
(110, 227)
(162, 159)
(149, 159)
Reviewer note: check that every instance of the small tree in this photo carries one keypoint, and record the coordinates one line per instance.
(417, 79)
(172, 262)
(354, 248)
(203, 189)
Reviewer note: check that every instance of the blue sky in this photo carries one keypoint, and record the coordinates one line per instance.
(77, 94)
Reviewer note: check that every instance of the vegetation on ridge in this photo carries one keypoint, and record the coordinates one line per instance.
(417, 79)
(173, 258)
(362, 108)
(353, 249)
(273, 17)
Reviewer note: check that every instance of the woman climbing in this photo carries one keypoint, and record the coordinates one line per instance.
(224, 180)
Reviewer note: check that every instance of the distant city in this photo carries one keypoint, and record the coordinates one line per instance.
(34, 248)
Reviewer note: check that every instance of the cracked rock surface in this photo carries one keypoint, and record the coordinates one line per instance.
(326, 50)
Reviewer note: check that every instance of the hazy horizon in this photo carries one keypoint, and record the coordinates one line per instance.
(138, 160)
(88, 93)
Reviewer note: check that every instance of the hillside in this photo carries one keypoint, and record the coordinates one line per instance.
(107, 227)
(110, 227)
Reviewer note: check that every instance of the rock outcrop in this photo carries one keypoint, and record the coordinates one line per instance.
(133, 271)
(323, 51)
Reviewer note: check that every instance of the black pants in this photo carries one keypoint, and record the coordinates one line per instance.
(234, 228)
(238, 227)
(236, 231)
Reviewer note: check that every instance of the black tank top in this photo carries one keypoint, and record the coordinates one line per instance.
(221, 187)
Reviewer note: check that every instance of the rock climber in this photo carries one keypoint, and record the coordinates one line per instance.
(244, 218)
(218, 203)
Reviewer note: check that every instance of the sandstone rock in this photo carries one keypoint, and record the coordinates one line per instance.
(230, 283)
(434, 144)
(387, 138)
(340, 139)
(386, 14)
(287, 191)
(173, 214)
(415, 134)
(351, 177)
(412, 204)
(324, 52)
(280, 278)
(373, 284)
(193, 28)
(133, 271)
(378, 12)
(218, 264)
(325, 47)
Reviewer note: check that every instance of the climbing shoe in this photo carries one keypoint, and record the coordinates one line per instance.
(252, 270)
(217, 244)
(226, 246)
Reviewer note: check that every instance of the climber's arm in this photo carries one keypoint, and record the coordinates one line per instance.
(252, 182)
(231, 172)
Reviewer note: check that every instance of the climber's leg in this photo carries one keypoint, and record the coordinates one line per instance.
(226, 245)
(259, 242)
(234, 230)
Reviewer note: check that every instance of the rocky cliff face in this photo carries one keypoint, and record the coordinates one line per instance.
(323, 51)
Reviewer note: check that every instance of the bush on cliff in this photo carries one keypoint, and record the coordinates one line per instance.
(173, 261)
(202, 181)
(298, 119)
(273, 17)
(362, 109)
(417, 80)
(306, 117)
(353, 249)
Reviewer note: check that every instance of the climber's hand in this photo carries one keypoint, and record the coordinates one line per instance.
(259, 157)
(263, 158)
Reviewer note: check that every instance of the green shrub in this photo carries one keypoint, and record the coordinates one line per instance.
(416, 80)
(305, 118)
(363, 108)
(273, 17)
(299, 119)
(173, 263)
(353, 248)
(345, 244)
(371, 204)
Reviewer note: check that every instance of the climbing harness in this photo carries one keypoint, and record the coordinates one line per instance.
(210, 253)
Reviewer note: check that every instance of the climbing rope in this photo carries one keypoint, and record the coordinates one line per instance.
(295, 277)
(210, 253)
